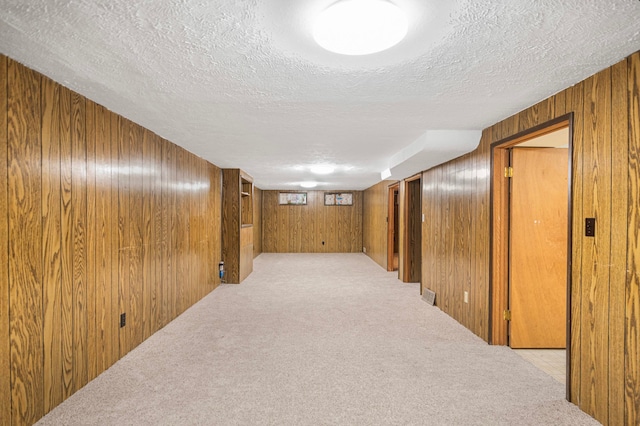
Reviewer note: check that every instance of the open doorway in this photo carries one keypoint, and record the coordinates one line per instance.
(412, 236)
(530, 265)
(393, 228)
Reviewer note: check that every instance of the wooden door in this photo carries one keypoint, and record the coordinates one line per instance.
(538, 248)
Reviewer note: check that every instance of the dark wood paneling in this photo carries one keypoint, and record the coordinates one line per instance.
(303, 229)
(411, 256)
(25, 244)
(5, 347)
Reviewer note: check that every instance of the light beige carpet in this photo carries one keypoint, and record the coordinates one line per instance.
(318, 339)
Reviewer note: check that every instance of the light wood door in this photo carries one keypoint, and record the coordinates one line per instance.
(538, 248)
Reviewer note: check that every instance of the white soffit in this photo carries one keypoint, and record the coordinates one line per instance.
(432, 148)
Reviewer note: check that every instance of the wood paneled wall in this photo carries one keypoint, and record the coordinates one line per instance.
(237, 238)
(98, 217)
(374, 222)
(312, 228)
(455, 238)
(257, 221)
(605, 307)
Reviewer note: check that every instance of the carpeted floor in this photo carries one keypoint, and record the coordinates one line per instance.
(318, 339)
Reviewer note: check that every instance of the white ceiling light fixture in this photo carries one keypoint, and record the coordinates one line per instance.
(360, 27)
(308, 184)
(322, 169)
(386, 173)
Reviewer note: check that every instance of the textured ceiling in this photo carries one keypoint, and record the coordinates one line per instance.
(242, 84)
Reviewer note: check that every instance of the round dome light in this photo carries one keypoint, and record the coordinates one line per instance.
(322, 169)
(308, 184)
(360, 27)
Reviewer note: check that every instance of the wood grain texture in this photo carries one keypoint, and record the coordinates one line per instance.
(213, 216)
(92, 333)
(480, 249)
(402, 225)
(619, 238)
(231, 224)
(168, 267)
(427, 250)
(500, 235)
(182, 236)
(105, 313)
(175, 289)
(53, 124)
(134, 313)
(79, 239)
(374, 222)
(124, 223)
(304, 229)
(257, 221)
(538, 248)
(157, 284)
(148, 240)
(5, 347)
(575, 102)
(66, 220)
(632, 285)
(246, 252)
(99, 201)
(596, 251)
(25, 243)
(114, 228)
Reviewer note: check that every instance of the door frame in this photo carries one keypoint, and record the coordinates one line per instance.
(391, 218)
(499, 232)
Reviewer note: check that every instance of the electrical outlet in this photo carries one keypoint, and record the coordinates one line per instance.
(590, 227)
(422, 217)
(123, 319)
(466, 297)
